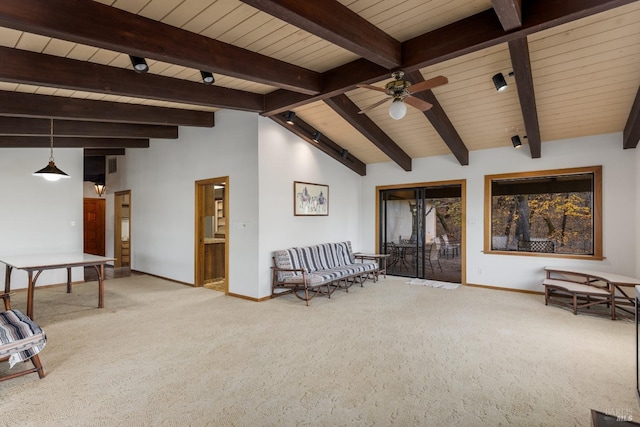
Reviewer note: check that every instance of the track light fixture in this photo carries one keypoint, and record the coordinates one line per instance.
(290, 117)
(500, 82)
(344, 154)
(515, 140)
(139, 64)
(207, 77)
(316, 136)
(51, 172)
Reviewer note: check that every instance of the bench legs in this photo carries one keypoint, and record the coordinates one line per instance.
(37, 367)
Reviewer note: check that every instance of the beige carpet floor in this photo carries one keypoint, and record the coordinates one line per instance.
(163, 354)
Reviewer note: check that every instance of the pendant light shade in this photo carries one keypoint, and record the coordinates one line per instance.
(100, 188)
(51, 171)
(397, 109)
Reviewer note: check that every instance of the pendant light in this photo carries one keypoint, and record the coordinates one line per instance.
(51, 172)
(100, 188)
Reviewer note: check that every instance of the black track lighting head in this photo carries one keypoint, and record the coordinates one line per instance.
(290, 117)
(207, 77)
(515, 140)
(499, 82)
(139, 64)
(344, 154)
(316, 136)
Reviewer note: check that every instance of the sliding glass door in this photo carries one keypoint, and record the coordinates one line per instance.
(421, 230)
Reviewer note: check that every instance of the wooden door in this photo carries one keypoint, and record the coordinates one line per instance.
(94, 226)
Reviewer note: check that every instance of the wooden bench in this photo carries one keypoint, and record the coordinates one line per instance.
(585, 288)
(21, 339)
(581, 295)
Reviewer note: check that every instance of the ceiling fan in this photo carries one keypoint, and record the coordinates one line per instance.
(400, 91)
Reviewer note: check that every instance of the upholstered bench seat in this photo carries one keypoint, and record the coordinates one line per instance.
(311, 270)
(21, 339)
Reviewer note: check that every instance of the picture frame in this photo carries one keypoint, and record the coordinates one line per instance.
(310, 199)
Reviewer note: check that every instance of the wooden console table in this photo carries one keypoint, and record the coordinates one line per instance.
(39, 263)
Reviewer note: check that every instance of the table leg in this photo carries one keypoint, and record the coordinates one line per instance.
(68, 280)
(100, 286)
(7, 286)
(30, 291)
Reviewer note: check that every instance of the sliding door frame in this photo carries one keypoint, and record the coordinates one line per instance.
(463, 203)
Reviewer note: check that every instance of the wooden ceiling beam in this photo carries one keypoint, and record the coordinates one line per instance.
(19, 104)
(66, 142)
(20, 126)
(24, 67)
(103, 152)
(336, 23)
(349, 111)
(631, 133)
(509, 13)
(95, 24)
(484, 30)
(440, 121)
(468, 35)
(335, 82)
(305, 131)
(519, 50)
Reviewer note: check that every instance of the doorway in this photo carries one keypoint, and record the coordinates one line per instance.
(421, 227)
(93, 214)
(211, 234)
(122, 229)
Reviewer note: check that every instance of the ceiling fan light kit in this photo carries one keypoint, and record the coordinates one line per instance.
(397, 109)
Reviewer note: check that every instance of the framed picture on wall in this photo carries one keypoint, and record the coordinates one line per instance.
(310, 199)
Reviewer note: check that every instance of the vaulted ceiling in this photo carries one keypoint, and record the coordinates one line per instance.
(572, 68)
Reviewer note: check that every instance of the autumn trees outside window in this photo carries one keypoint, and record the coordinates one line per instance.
(545, 213)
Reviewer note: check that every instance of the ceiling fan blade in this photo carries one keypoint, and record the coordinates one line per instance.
(428, 84)
(379, 89)
(418, 103)
(372, 106)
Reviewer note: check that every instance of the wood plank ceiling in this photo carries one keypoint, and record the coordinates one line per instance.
(575, 65)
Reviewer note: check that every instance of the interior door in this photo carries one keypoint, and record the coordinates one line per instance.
(94, 226)
(211, 234)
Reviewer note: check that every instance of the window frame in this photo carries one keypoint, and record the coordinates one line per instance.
(597, 210)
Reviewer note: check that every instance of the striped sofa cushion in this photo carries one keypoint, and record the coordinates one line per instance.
(20, 337)
(287, 259)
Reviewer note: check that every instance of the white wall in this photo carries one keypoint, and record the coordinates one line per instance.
(524, 272)
(285, 158)
(162, 183)
(37, 215)
(262, 160)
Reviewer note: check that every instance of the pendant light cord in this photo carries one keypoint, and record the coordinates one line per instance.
(51, 142)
